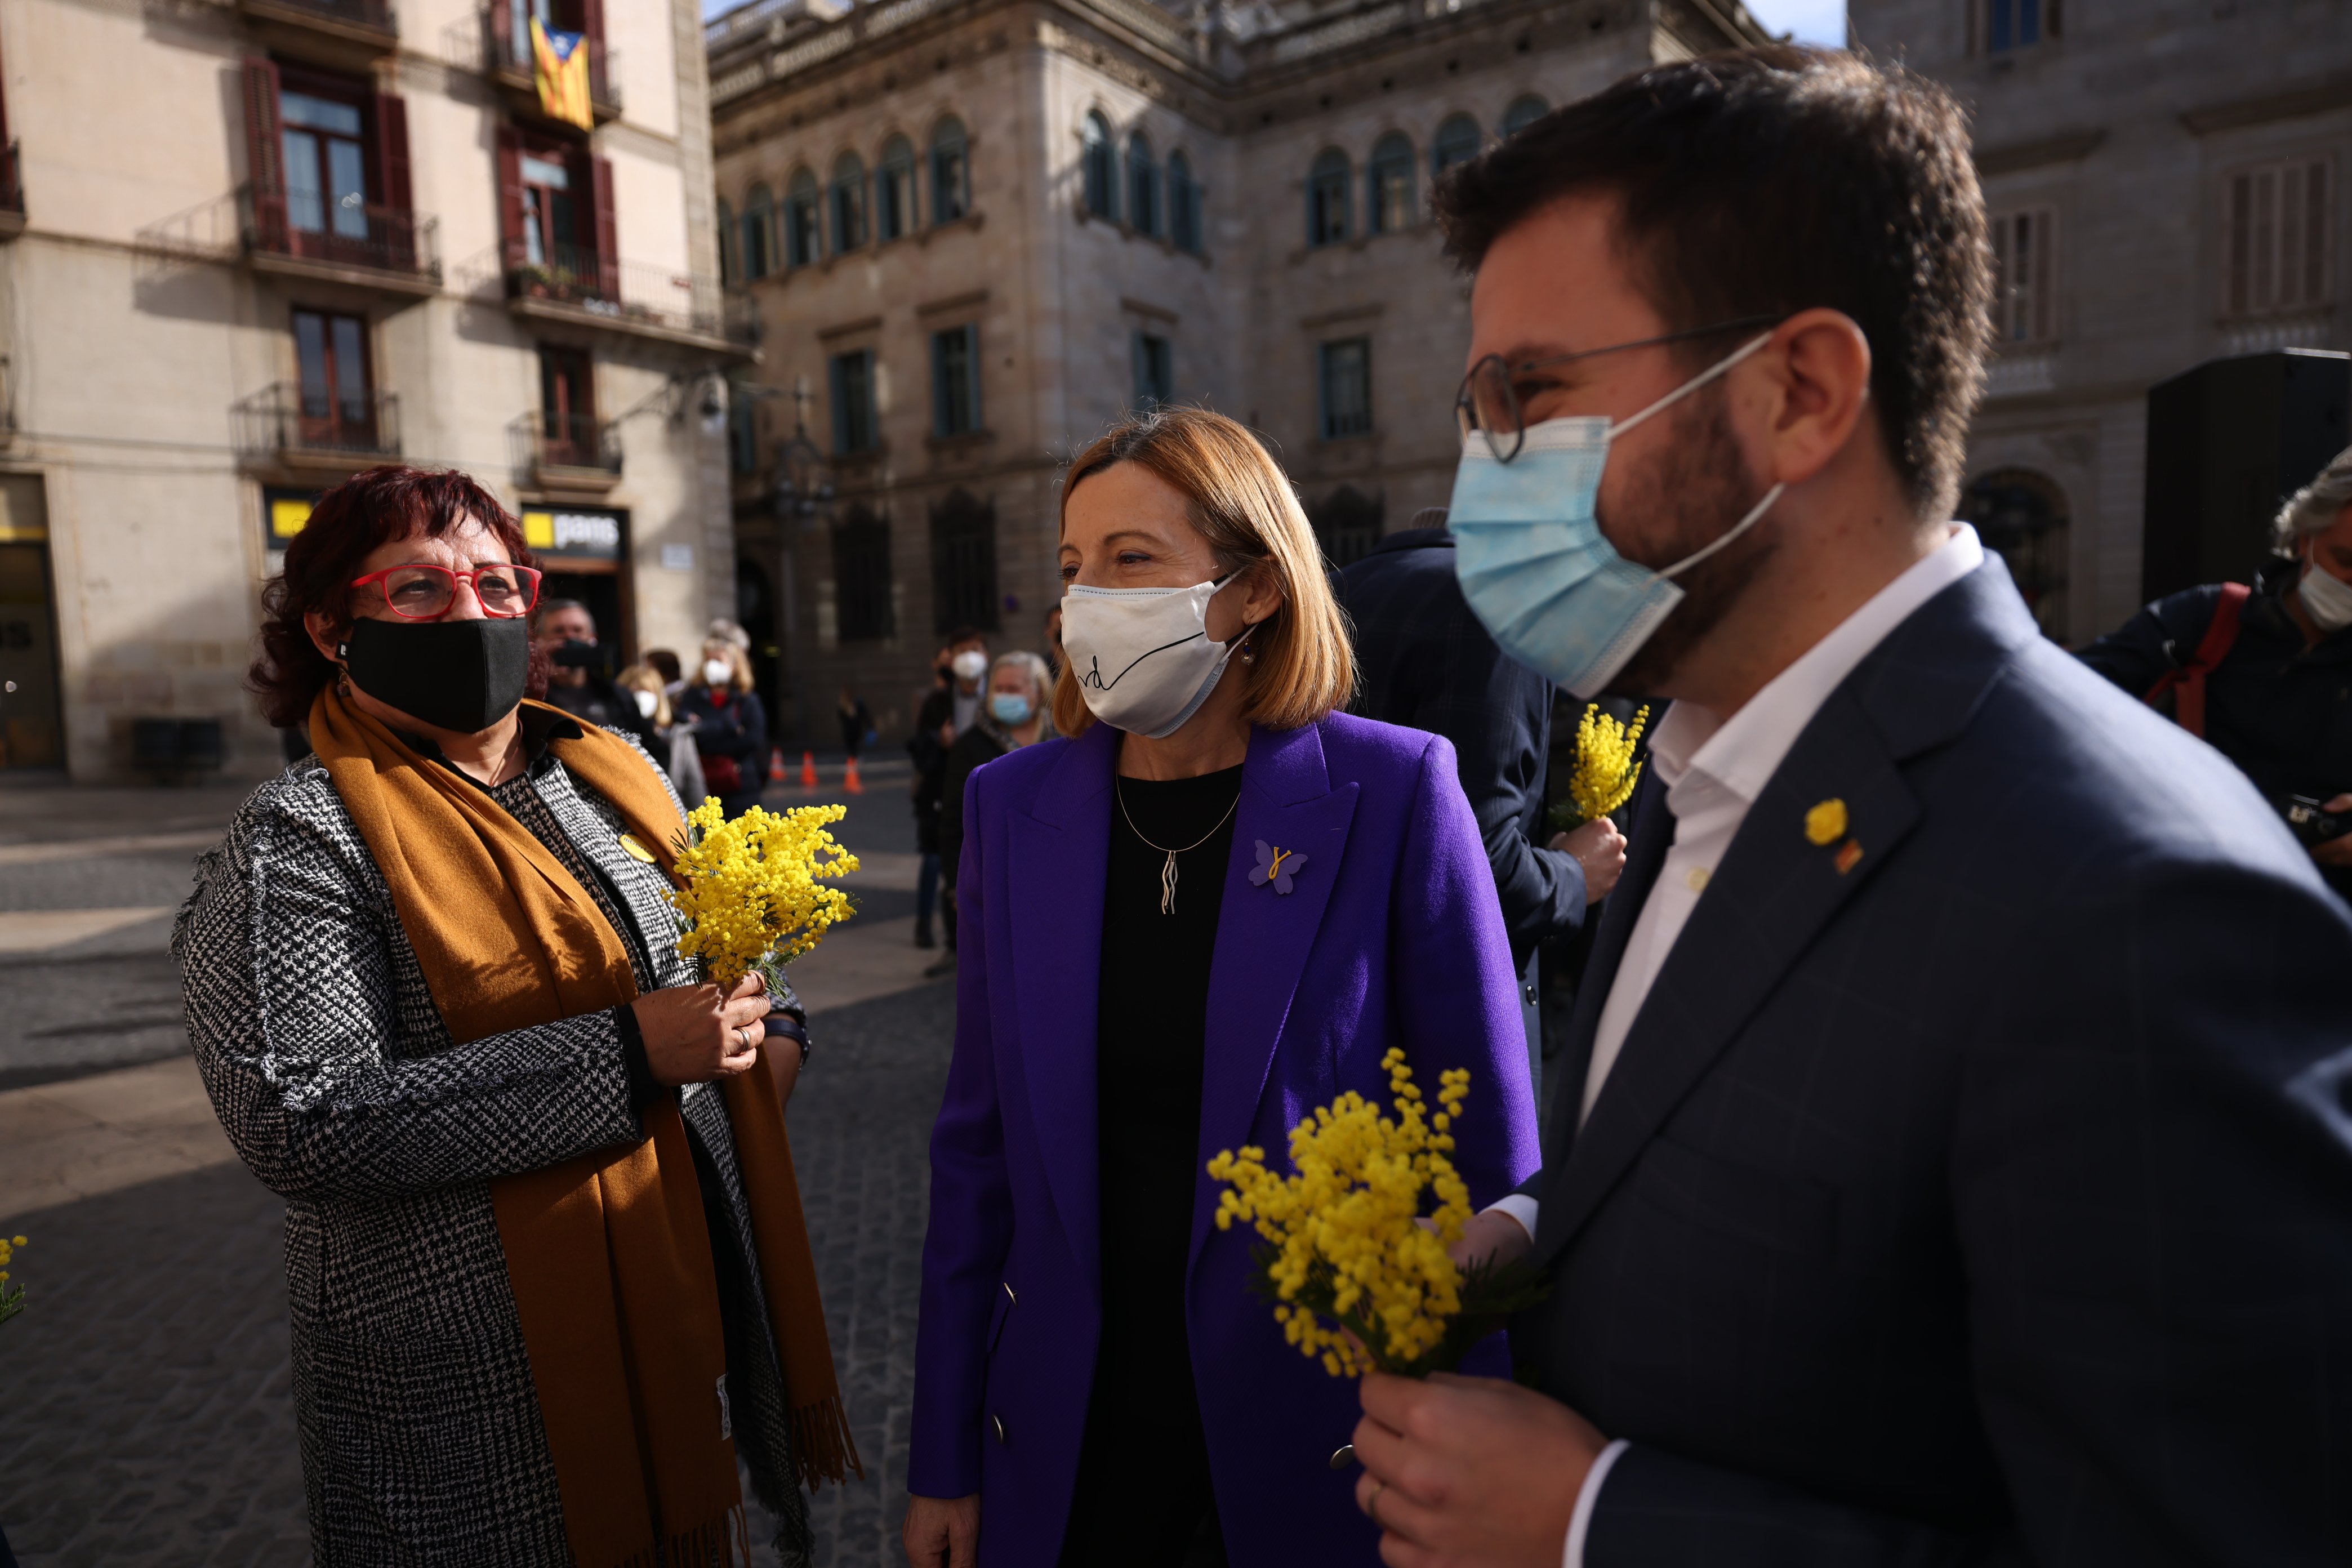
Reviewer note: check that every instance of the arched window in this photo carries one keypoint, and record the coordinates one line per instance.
(730, 265)
(1327, 198)
(1388, 187)
(1525, 111)
(894, 190)
(1142, 186)
(848, 203)
(1183, 204)
(803, 224)
(1456, 142)
(1100, 168)
(950, 173)
(2021, 515)
(758, 234)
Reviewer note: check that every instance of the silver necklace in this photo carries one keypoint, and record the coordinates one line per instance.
(1167, 871)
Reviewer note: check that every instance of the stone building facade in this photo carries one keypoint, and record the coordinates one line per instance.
(979, 231)
(248, 246)
(2166, 183)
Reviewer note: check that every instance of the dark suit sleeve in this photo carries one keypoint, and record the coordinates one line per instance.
(2151, 1178)
(1503, 739)
(2158, 640)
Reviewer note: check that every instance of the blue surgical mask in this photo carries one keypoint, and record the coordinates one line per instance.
(1532, 560)
(1010, 707)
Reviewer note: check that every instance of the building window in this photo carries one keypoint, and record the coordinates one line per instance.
(1327, 199)
(848, 204)
(1457, 143)
(567, 408)
(803, 231)
(950, 173)
(1388, 185)
(742, 429)
(551, 217)
(2021, 516)
(861, 575)
(1345, 382)
(894, 189)
(963, 563)
(1346, 525)
(1183, 204)
(855, 425)
(758, 234)
(326, 165)
(1099, 167)
(2277, 223)
(2016, 23)
(730, 258)
(2022, 265)
(1525, 111)
(1155, 372)
(1142, 186)
(955, 381)
(330, 356)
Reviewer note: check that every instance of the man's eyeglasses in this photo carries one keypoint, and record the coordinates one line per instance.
(1488, 402)
(418, 592)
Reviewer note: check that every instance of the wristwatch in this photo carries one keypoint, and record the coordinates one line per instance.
(782, 1022)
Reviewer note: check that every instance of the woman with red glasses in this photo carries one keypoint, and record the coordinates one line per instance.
(547, 1269)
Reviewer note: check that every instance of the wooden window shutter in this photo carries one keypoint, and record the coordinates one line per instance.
(2045, 241)
(265, 153)
(395, 229)
(504, 52)
(608, 229)
(2316, 223)
(510, 204)
(591, 25)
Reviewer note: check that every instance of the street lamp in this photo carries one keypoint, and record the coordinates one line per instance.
(804, 484)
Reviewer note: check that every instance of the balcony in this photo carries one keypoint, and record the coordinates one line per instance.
(377, 247)
(569, 454)
(285, 427)
(573, 285)
(347, 34)
(12, 192)
(506, 40)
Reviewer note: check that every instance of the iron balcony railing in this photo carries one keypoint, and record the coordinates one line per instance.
(381, 238)
(290, 419)
(627, 292)
(507, 34)
(568, 441)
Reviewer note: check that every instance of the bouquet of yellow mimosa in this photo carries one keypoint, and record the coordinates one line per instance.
(753, 894)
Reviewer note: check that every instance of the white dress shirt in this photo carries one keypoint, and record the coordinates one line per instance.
(1714, 768)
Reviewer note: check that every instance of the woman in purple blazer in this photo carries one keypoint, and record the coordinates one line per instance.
(1212, 910)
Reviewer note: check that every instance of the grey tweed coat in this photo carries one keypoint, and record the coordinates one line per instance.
(340, 1087)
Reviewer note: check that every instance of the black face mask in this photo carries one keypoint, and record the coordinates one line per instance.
(574, 653)
(463, 675)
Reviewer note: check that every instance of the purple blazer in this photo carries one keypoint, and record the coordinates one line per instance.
(1391, 936)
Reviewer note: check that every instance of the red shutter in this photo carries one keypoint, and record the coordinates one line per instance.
(510, 196)
(608, 247)
(396, 227)
(265, 153)
(503, 43)
(592, 24)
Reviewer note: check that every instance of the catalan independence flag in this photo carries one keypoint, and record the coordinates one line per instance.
(560, 68)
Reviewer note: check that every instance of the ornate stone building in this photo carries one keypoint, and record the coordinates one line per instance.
(2165, 180)
(981, 230)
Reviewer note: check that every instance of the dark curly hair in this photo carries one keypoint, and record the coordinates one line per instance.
(346, 526)
(1765, 181)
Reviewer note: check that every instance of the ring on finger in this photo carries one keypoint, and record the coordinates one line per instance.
(1372, 1503)
(743, 1039)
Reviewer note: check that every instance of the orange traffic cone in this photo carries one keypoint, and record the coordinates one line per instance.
(808, 769)
(849, 781)
(776, 763)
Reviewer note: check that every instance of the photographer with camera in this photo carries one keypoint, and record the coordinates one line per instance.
(2264, 674)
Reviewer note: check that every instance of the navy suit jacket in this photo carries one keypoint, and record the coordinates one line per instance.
(1978, 1190)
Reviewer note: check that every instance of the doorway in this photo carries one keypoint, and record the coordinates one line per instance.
(31, 733)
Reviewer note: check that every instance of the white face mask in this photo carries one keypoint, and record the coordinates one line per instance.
(971, 665)
(1143, 656)
(718, 672)
(646, 703)
(2327, 598)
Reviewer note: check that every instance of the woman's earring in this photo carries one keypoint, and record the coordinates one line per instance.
(1249, 654)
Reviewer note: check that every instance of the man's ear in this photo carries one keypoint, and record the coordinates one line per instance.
(1816, 376)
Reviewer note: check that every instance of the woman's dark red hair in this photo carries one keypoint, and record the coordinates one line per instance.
(347, 526)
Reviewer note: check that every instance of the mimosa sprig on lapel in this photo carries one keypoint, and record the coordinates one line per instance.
(1355, 1278)
(1606, 772)
(751, 895)
(12, 1297)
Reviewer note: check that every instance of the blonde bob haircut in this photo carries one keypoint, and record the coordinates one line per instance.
(1242, 505)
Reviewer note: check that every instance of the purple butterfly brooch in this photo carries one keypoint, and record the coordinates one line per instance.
(1275, 865)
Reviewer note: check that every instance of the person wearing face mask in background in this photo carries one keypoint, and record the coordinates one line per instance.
(1019, 693)
(644, 685)
(2262, 672)
(1225, 901)
(433, 985)
(730, 727)
(952, 707)
(1956, 1099)
(576, 680)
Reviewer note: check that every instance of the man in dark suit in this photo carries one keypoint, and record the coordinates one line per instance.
(1424, 660)
(1963, 1170)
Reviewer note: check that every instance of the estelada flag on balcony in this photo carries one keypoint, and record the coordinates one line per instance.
(559, 70)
